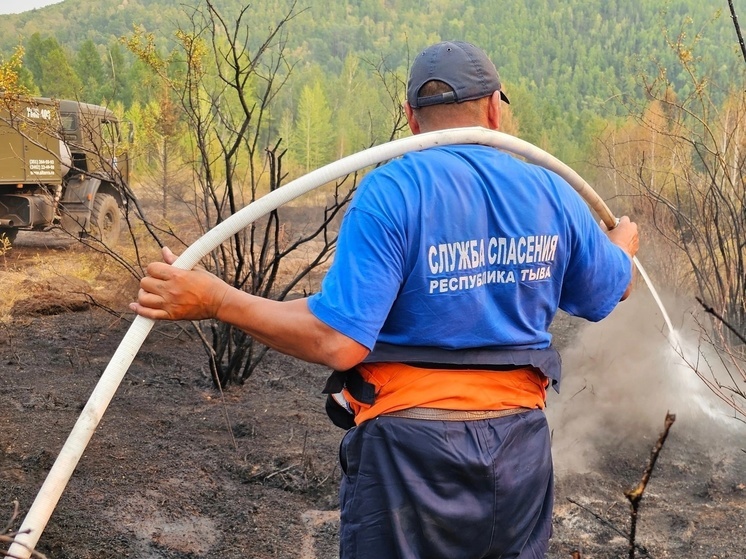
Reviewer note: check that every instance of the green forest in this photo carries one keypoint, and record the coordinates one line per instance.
(569, 67)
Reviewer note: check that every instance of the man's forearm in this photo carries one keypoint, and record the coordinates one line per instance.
(290, 327)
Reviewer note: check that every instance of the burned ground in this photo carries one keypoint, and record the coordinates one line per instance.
(177, 470)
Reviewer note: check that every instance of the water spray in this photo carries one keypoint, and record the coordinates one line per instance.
(63, 467)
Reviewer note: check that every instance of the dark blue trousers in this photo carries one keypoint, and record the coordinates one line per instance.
(423, 489)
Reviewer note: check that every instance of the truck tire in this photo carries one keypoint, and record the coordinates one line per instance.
(106, 219)
(9, 234)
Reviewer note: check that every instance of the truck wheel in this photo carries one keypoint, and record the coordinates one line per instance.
(9, 234)
(106, 219)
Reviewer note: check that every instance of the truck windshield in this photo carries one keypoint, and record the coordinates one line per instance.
(110, 132)
(69, 122)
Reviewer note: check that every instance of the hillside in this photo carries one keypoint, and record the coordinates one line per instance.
(564, 62)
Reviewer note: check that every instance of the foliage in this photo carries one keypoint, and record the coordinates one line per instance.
(684, 160)
(167, 175)
(90, 70)
(680, 161)
(11, 73)
(312, 135)
(5, 245)
(561, 61)
(50, 67)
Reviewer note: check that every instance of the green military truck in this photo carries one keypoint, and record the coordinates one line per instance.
(61, 163)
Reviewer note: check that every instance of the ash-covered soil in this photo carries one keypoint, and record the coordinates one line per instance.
(177, 470)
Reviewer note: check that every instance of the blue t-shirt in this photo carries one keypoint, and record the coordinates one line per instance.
(467, 247)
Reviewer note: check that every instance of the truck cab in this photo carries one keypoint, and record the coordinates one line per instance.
(61, 163)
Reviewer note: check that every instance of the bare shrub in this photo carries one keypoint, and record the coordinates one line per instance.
(224, 81)
(678, 166)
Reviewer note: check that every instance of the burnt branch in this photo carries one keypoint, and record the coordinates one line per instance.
(709, 310)
(8, 536)
(641, 548)
(734, 17)
(635, 495)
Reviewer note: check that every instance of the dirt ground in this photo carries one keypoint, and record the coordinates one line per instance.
(177, 470)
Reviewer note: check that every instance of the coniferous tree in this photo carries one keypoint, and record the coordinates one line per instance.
(90, 70)
(313, 128)
(49, 65)
(117, 86)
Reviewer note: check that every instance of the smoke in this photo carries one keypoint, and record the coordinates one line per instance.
(620, 378)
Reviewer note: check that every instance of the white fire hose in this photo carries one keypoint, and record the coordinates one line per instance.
(50, 492)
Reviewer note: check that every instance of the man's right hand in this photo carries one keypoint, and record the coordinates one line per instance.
(625, 235)
(168, 293)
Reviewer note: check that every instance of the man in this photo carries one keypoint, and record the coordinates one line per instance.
(451, 264)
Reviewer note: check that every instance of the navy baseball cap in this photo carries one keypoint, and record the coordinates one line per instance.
(464, 67)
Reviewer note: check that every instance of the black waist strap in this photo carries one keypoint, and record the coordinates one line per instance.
(548, 360)
(353, 381)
